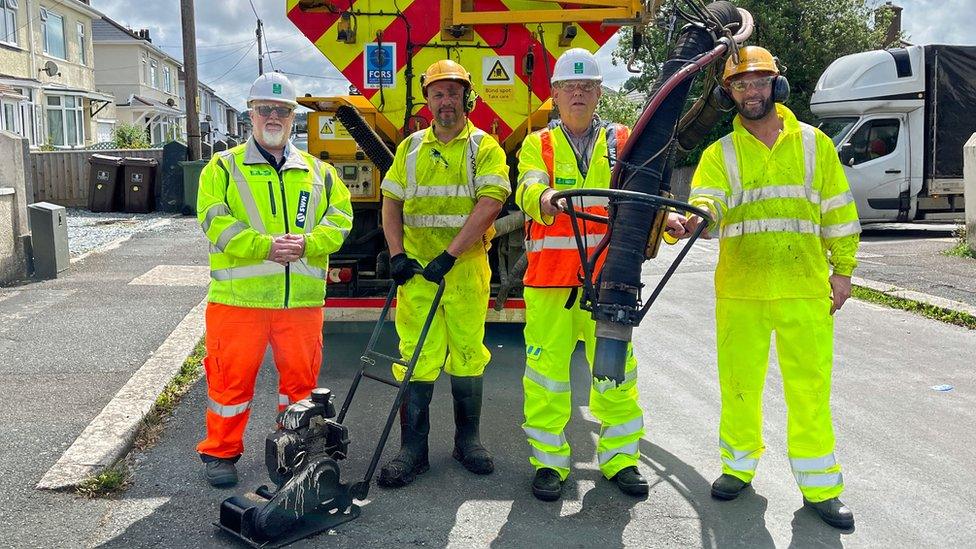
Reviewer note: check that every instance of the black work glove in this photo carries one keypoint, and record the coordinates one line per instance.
(402, 268)
(439, 267)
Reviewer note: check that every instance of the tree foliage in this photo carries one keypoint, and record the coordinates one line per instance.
(615, 106)
(129, 136)
(805, 36)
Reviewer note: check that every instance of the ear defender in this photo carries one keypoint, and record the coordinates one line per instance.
(470, 100)
(781, 89)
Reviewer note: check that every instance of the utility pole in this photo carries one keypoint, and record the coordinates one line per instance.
(259, 32)
(190, 83)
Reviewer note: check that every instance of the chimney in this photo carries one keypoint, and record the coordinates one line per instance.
(893, 34)
(144, 34)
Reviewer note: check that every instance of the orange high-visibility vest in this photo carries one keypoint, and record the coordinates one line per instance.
(553, 256)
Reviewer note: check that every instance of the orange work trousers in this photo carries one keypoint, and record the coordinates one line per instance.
(236, 340)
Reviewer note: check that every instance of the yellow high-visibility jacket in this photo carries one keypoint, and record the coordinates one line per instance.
(439, 185)
(784, 215)
(243, 204)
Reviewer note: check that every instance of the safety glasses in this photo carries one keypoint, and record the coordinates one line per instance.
(266, 110)
(755, 83)
(585, 86)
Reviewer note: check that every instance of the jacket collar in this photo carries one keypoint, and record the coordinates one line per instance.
(293, 157)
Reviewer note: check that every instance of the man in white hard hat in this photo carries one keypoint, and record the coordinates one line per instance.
(272, 214)
(574, 152)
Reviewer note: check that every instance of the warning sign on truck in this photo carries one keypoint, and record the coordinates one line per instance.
(330, 128)
(498, 70)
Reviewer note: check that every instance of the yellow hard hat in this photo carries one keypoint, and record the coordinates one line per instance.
(751, 59)
(445, 69)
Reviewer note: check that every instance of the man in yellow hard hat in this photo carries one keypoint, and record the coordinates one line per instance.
(789, 231)
(445, 188)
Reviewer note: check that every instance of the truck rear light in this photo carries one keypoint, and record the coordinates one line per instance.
(340, 275)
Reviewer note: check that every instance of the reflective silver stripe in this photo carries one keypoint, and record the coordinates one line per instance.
(212, 213)
(313, 200)
(534, 177)
(752, 226)
(841, 229)
(709, 192)
(809, 138)
(449, 191)
(413, 150)
(774, 191)
(550, 385)
(740, 460)
(561, 242)
(267, 268)
(628, 449)
(332, 210)
(818, 480)
(303, 268)
(393, 188)
(229, 233)
(552, 460)
(590, 201)
(632, 427)
(283, 400)
(545, 437)
(244, 190)
(813, 464)
(434, 220)
(214, 249)
(731, 164)
(491, 180)
(835, 202)
(473, 146)
(227, 410)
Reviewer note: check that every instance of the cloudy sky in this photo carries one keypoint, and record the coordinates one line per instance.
(227, 54)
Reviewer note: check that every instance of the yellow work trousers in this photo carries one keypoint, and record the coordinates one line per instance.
(804, 344)
(456, 337)
(551, 333)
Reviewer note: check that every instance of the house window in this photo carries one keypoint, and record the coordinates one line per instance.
(65, 120)
(145, 70)
(8, 21)
(82, 49)
(152, 74)
(167, 80)
(52, 29)
(9, 113)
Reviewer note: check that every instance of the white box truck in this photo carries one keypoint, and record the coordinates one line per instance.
(899, 119)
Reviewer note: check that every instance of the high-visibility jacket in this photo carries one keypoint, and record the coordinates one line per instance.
(439, 185)
(547, 160)
(783, 215)
(243, 204)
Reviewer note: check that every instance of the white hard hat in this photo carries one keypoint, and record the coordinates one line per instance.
(576, 64)
(273, 86)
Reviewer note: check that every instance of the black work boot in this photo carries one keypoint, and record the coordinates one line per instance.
(547, 485)
(728, 487)
(468, 450)
(414, 428)
(630, 482)
(833, 512)
(220, 472)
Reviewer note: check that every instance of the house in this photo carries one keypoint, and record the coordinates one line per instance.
(47, 80)
(143, 79)
(219, 121)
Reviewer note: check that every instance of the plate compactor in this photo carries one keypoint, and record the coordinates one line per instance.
(302, 458)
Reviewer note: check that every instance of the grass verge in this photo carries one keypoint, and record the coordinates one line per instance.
(116, 478)
(957, 318)
(961, 249)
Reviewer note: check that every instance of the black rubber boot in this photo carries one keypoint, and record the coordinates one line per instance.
(630, 482)
(414, 428)
(468, 450)
(547, 485)
(728, 487)
(833, 512)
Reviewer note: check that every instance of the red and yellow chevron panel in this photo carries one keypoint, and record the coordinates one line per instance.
(382, 47)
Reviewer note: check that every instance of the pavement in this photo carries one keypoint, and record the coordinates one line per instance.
(78, 354)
